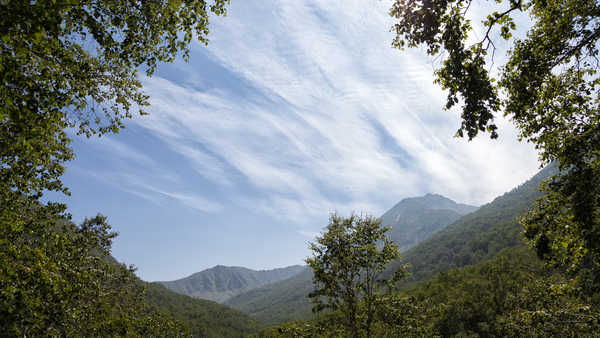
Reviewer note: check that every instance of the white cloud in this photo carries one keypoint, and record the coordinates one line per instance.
(145, 186)
(123, 151)
(335, 118)
(191, 200)
(205, 164)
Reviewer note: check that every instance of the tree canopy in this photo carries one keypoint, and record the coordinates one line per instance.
(73, 65)
(348, 263)
(548, 88)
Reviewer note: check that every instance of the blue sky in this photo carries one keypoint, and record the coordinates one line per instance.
(294, 110)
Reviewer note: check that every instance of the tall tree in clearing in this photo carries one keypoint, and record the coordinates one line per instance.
(348, 261)
(548, 88)
(73, 64)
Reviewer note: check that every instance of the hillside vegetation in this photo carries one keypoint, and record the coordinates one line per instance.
(220, 283)
(473, 238)
(203, 318)
(478, 236)
(415, 219)
(278, 302)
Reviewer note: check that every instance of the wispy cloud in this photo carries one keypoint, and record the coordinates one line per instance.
(322, 115)
(295, 110)
(124, 152)
(191, 200)
(146, 185)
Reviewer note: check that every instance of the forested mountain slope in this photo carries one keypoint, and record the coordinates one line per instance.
(478, 236)
(203, 318)
(478, 300)
(277, 302)
(415, 219)
(474, 238)
(412, 220)
(223, 282)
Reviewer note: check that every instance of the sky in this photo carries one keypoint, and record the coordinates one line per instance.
(294, 110)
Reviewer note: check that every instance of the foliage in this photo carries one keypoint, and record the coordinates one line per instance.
(57, 279)
(323, 325)
(203, 318)
(399, 315)
(564, 238)
(396, 316)
(478, 236)
(348, 261)
(73, 64)
(472, 299)
(548, 88)
(510, 295)
(278, 302)
(550, 308)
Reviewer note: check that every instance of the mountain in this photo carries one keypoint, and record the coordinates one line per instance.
(287, 300)
(220, 283)
(415, 219)
(203, 318)
(278, 302)
(477, 299)
(475, 237)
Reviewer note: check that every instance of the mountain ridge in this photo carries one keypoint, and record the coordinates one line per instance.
(287, 300)
(473, 238)
(221, 282)
(477, 236)
(415, 219)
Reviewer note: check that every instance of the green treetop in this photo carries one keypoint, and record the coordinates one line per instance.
(73, 64)
(348, 261)
(548, 88)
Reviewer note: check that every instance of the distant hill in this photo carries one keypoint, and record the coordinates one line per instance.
(220, 283)
(287, 300)
(483, 237)
(415, 219)
(278, 302)
(203, 318)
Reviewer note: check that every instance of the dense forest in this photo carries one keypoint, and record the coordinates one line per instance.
(526, 264)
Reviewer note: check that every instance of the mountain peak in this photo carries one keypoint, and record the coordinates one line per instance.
(416, 218)
(221, 282)
(431, 201)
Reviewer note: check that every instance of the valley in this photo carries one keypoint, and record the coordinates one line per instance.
(281, 168)
(435, 233)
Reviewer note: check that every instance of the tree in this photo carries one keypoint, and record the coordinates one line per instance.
(347, 262)
(73, 64)
(548, 88)
(59, 280)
